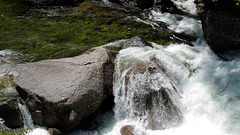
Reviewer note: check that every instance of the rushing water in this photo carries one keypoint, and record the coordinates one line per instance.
(204, 87)
(209, 87)
(186, 5)
(28, 122)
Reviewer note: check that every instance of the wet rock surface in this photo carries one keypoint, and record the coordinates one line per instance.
(127, 130)
(60, 93)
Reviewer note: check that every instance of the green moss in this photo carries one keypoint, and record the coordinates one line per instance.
(20, 131)
(62, 32)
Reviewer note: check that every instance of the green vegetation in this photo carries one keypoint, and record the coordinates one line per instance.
(7, 89)
(20, 131)
(57, 32)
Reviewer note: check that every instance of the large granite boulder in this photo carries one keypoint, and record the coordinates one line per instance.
(51, 2)
(61, 92)
(221, 25)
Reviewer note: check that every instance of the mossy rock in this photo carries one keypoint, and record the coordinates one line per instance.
(56, 32)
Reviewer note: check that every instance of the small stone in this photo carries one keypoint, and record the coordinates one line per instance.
(127, 130)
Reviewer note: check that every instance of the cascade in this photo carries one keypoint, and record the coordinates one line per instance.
(173, 90)
(28, 122)
(144, 93)
(27, 119)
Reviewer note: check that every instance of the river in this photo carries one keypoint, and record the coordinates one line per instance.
(207, 86)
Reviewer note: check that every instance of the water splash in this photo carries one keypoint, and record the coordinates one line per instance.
(186, 5)
(178, 23)
(144, 93)
(27, 119)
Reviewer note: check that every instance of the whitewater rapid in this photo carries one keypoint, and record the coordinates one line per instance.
(209, 86)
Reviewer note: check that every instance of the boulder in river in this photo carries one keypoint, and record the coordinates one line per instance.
(221, 25)
(61, 92)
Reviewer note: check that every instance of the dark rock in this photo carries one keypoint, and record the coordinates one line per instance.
(127, 130)
(10, 113)
(221, 25)
(61, 92)
(200, 4)
(51, 2)
(115, 1)
(144, 4)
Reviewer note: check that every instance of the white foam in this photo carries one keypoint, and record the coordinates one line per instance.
(209, 85)
(38, 131)
(179, 24)
(186, 5)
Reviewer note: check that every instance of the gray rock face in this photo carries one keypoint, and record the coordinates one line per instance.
(6, 67)
(60, 93)
(221, 25)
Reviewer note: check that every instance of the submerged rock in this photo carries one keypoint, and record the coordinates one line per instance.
(221, 25)
(61, 92)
